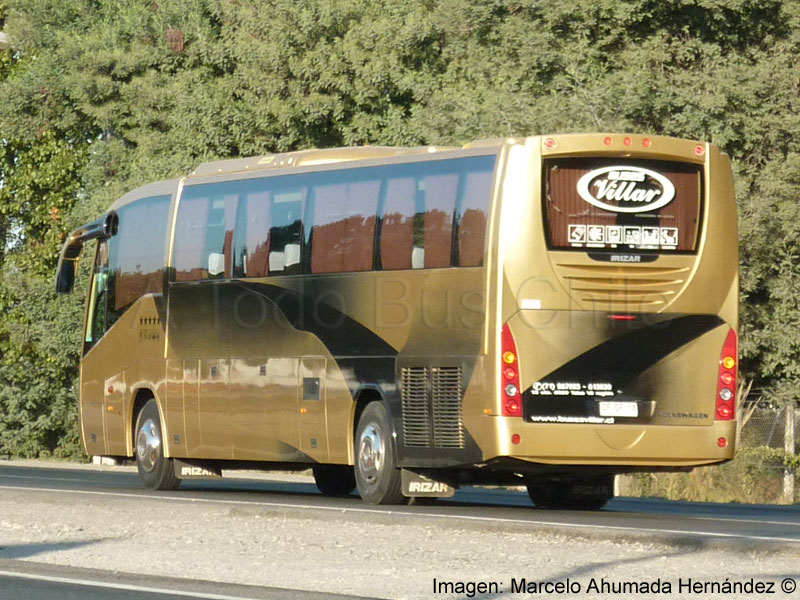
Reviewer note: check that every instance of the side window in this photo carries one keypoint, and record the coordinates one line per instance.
(440, 202)
(472, 217)
(397, 224)
(285, 232)
(97, 321)
(204, 233)
(343, 230)
(136, 253)
(417, 219)
(251, 251)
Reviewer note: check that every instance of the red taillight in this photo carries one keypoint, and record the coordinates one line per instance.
(726, 381)
(699, 150)
(627, 141)
(607, 141)
(509, 365)
(646, 142)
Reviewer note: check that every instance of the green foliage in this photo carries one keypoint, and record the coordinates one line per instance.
(101, 96)
(37, 370)
(754, 476)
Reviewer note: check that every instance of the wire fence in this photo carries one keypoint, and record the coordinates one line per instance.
(768, 428)
(769, 442)
(764, 470)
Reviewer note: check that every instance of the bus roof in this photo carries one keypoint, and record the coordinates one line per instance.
(301, 158)
(298, 158)
(157, 188)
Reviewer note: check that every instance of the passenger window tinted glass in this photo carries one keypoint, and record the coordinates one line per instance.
(473, 212)
(417, 218)
(285, 233)
(397, 227)
(204, 233)
(251, 256)
(342, 238)
(439, 202)
(136, 253)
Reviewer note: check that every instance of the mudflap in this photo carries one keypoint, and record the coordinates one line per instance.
(416, 485)
(185, 469)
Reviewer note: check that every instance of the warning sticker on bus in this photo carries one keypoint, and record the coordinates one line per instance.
(627, 237)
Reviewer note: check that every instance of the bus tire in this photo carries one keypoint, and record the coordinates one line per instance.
(545, 495)
(376, 472)
(334, 480)
(155, 471)
(578, 494)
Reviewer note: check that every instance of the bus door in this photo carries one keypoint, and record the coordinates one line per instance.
(92, 376)
(197, 334)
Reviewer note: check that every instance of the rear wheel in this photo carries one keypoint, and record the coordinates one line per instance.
(577, 494)
(376, 471)
(334, 480)
(155, 471)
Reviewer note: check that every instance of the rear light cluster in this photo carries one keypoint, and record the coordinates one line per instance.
(509, 369)
(726, 382)
(552, 144)
(627, 141)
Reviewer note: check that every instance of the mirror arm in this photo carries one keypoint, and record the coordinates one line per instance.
(102, 228)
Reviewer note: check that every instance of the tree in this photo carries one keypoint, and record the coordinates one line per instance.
(101, 96)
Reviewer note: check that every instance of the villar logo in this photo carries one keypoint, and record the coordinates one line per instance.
(626, 189)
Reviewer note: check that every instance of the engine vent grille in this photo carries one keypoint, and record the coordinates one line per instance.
(416, 408)
(448, 430)
(432, 407)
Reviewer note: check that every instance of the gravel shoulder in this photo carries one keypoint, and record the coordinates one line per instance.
(343, 552)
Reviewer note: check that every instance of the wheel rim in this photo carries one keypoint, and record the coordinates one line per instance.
(148, 445)
(371, 452)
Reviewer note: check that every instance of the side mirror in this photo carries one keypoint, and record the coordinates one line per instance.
(68, 265)
(110, 225)
(102, 228)
(65, 278)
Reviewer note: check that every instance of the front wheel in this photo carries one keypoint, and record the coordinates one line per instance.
(155, 471)
(376, 471)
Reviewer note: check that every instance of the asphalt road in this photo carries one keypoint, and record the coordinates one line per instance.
(684, 523)
(735, 523)
(21, 580)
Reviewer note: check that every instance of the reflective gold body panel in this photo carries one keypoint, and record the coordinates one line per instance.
(273, 369)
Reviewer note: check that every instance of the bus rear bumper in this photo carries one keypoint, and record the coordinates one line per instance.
(633, 445)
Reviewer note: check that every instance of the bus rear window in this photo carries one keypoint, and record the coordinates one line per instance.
(620, 204)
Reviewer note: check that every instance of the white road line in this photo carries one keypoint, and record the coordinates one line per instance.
(477, 499)
(737, 520)
(121, 586)
(40, 478)
(442, 516)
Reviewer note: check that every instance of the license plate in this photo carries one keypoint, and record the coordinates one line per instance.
(618, 409)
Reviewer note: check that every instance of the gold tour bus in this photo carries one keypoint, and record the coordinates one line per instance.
(545, 311)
